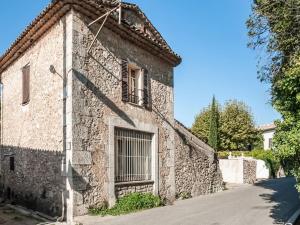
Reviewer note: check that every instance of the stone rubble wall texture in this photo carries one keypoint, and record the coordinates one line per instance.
(34, 132)
(123, 190)
(196, 167)
(249, 171)
(97, 97)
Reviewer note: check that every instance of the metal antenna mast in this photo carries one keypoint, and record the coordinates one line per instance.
(105, 16)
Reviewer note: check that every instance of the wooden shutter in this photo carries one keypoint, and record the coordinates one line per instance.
(147, 90)
(26, 84)
(125, 78)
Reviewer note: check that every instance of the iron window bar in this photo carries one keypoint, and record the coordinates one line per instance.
(133, 156)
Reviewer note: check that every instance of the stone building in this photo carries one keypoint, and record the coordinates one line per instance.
(84, 124)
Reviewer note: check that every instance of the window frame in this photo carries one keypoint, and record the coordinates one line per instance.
(270, 143)
(139, 89)
(12, 163)
(135, 166)
(26, 99)
(115, 122)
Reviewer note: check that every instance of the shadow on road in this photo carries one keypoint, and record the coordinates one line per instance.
(284, 198)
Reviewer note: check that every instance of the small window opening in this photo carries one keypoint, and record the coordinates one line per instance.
(12, 163)
(25, 84)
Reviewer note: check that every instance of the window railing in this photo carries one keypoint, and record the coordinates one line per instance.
(137, 97)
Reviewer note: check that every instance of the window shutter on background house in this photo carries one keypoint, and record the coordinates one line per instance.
(25, 84)
(124, 68)
(147, 90)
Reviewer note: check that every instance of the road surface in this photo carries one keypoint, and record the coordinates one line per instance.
(268, 202)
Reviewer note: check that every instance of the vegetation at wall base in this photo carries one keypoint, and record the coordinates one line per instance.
(274, 27)
(130, 203)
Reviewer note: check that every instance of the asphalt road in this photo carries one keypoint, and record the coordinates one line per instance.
(268, 202)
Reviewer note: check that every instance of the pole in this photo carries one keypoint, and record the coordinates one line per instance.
(120, 12)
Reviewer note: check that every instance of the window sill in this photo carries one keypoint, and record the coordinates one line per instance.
(136, 105)
(25, 103)
(134, 183)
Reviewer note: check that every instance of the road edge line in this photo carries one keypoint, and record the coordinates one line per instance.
(292, 220)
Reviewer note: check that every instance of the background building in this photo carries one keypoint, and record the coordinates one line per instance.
(268, 131)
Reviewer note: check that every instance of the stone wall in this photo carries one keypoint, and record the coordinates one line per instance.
(196, 167)
(249, 171)
(97, 98)
(122, 190)
(34, 133)
(36, 180)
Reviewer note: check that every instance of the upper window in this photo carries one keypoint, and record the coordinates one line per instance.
(270, 143)
(135, 85)
(25, 84)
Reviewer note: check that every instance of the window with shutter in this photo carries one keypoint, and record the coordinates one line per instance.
(25, 84)
(135, 85)
(147, 95)
(125, 88)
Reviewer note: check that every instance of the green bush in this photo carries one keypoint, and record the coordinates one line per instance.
(183, 195)
(223, 155)
(129, 203)
(269, 157)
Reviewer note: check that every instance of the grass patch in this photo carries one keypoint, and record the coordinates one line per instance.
(128, 204)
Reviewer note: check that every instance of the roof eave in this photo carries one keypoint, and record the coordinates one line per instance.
(53, 13)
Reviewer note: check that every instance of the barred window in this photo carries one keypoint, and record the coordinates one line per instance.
(133, 155)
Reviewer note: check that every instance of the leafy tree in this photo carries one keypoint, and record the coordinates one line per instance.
(231, 128)
(214, 124)
(237, 130)
(201, 124)
(274, 26)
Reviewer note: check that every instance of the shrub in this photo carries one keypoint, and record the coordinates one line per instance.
(129, 203)
(269, 157)
(183, 195)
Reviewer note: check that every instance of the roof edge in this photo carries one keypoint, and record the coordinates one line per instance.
(54, 12)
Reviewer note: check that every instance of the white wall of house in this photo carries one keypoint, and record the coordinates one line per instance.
(268, 137)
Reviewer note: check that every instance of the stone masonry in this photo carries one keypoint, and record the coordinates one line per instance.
(62, 141)
(249, 171)
(196, 166)
(33, 134)
(97, 97)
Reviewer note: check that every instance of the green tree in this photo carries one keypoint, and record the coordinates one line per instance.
(201, 124)
(275, 27)
(237, 130)
(213, 126)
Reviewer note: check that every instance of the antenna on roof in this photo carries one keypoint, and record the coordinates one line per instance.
(105, 16)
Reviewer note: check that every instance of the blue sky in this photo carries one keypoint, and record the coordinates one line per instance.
(211, 37)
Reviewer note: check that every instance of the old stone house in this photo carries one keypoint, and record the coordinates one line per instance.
(84, 125)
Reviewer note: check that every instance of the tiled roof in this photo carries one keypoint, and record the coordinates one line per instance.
(267, 127)
(57, 8)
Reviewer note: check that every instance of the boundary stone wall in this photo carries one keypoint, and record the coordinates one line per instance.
(197, 169)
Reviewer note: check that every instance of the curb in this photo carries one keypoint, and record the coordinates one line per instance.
(293, 218)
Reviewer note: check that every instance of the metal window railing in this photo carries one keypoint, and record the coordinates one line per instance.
(132, 155)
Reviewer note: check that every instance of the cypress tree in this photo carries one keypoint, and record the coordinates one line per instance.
(213, 129)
